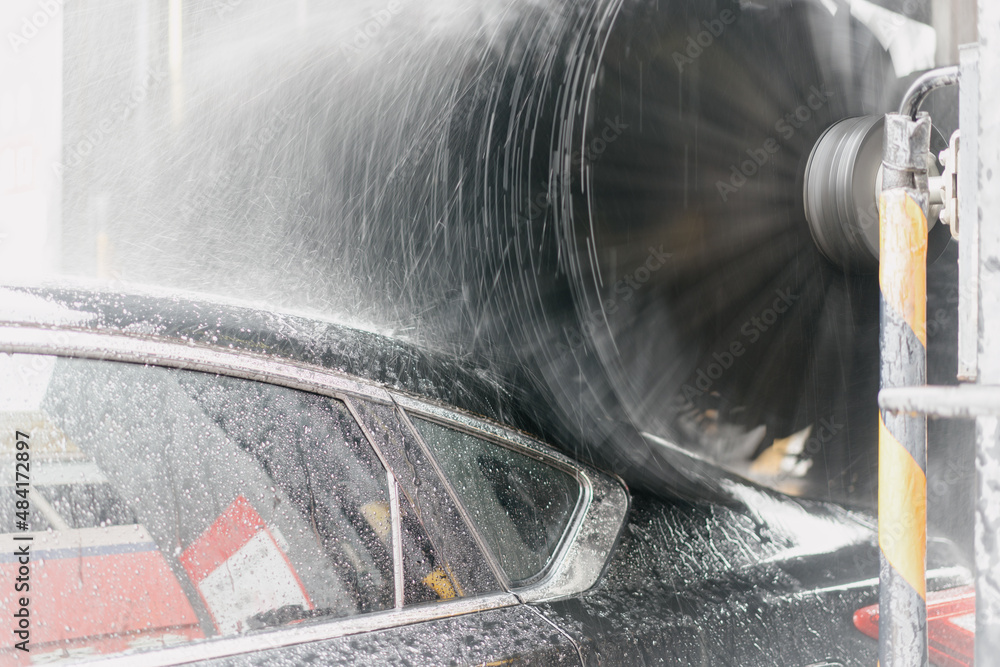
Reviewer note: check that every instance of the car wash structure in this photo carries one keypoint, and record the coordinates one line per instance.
(913, 196)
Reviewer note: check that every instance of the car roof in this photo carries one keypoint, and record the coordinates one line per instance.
(299, 338)
(512, 398)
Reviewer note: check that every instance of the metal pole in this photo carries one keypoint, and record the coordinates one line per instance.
(987, 432)
(902, 479)
(968, 236)
(902, 438)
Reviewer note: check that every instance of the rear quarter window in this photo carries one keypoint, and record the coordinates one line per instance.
(520, 505)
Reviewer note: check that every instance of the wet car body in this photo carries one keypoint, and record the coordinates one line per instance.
(756, 578)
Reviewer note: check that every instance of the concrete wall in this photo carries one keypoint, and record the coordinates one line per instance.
(955, 21)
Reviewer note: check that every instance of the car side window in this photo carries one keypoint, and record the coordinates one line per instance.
(170, 505)
(427, 577)
(520, 505)
(441, 557)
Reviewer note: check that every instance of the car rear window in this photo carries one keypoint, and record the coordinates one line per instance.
(166, 506)
(520, 505)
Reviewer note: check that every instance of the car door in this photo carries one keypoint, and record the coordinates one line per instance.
(179, 515)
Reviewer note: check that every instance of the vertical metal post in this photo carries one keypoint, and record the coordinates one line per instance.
(968, 236)
(987, 432)
(902, 479)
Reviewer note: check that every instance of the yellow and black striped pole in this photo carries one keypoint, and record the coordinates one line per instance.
(902, 460)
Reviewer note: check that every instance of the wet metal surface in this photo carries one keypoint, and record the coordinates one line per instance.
(771, 583)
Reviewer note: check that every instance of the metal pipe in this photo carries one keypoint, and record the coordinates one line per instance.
(968, 238)
(902, 478)
(924, 86)
(963, 402)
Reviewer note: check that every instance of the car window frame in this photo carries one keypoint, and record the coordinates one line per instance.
(515, 442)
(419, 478)
(586, 551)
(118, 346)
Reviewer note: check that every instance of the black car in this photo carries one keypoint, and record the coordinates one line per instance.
(208, 482)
